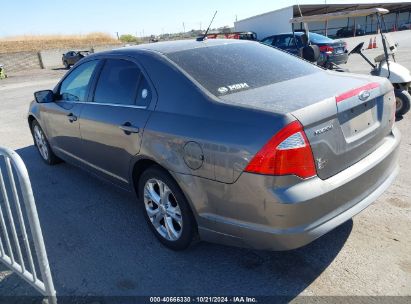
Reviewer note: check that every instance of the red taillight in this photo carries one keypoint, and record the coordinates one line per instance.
(287, 152)
(326, 49)
(356, 91)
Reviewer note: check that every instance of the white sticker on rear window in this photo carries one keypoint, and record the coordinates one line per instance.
(222, 90)
(233, 87)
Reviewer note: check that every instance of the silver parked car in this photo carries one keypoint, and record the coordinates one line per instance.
(226, 141)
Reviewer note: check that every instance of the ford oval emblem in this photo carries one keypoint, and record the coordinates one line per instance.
(364, 95)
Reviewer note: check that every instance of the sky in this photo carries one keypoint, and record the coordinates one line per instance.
(36, 17)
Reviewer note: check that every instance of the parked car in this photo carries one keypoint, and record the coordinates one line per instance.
(268, 155)
(331, 51)
(349, 32)
(405, 26)
(71, 57)
(234, 35)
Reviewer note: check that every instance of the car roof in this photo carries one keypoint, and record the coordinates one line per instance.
(296, 34)
(168, 47)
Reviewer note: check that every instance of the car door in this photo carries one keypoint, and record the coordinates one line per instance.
(61, 116)
(112, 124)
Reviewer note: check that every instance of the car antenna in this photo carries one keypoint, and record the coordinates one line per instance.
(206, 32)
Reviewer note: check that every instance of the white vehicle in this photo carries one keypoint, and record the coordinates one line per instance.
(385, 64)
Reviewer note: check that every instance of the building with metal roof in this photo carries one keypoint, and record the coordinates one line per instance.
(277, 21)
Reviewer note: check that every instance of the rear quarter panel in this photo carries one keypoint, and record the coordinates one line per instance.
(228, 135)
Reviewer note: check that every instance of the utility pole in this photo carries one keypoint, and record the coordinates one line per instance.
(184, 28)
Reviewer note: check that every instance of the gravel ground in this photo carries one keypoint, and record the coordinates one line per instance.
(98, 243)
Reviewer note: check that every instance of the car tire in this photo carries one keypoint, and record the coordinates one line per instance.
(66, 65)
(166, 209)
(402, 100)
(42, 144)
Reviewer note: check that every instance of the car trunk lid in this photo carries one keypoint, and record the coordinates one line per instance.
(340, 133)
(339, 47)
(351, 126)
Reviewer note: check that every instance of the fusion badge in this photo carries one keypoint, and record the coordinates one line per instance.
(323, 130)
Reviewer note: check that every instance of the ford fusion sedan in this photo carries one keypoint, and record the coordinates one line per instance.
(226, 141)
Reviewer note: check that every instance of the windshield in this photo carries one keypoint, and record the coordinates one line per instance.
(229, 68)
(317, 38)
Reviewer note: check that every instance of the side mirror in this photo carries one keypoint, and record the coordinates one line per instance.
(311, 53)
(45, 96)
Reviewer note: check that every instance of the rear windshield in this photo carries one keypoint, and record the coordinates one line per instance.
(229, 68)
(317, 38)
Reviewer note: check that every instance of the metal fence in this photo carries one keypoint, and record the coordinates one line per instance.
(17, 239)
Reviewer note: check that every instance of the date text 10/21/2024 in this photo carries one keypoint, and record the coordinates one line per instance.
(239, 299)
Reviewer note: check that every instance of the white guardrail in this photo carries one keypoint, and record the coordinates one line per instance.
(13, 237)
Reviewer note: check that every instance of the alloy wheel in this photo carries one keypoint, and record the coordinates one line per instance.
(41, 142)
(163, 209)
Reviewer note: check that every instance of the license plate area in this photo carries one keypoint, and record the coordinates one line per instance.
(359, 120)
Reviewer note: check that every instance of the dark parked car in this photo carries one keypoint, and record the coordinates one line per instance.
(349, 32)
(270, 155)
(70, 58)
(405, 26)
(331, 51)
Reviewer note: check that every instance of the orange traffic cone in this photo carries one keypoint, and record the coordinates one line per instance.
(374, 45)
(370, 44)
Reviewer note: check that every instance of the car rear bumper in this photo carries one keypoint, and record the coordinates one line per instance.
(339, 58)
(335, 58)
(281, 213)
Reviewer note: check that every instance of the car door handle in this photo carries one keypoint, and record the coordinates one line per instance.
(72, 117)
(128, 128)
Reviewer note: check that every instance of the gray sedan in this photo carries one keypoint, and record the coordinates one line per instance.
(226, 141)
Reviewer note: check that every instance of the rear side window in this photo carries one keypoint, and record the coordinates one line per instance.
(143, 93)
(225, 69)
(317, 38)
(284, 41)
(121, 82)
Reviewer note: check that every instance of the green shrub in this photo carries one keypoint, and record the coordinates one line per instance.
(128, 38)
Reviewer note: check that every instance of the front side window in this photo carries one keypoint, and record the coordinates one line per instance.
(75, 86)
(119, 83)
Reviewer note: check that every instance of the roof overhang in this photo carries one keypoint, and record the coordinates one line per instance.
(340, 15)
